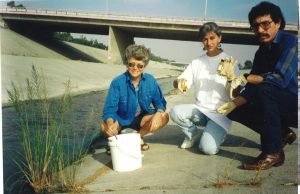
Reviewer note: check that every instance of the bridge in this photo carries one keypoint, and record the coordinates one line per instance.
(121, 29)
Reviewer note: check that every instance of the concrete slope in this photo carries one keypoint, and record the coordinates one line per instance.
(96, 53)
(16, 44)
(84, 76)
(19, 54)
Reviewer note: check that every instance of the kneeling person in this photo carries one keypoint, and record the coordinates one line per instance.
(210, 92)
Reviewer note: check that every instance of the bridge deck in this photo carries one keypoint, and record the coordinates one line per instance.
(234, 32)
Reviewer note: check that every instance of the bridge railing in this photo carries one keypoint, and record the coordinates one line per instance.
(100, 15)
(135, 18)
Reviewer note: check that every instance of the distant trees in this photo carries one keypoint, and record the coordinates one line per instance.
(12, 4)
(159, 59)
(247, 65)
(66, 36)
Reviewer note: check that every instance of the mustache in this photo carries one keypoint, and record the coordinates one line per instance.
(262, 34)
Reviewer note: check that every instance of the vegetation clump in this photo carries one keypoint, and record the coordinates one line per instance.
(47, 139)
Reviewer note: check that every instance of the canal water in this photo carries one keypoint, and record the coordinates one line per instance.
(85, 107)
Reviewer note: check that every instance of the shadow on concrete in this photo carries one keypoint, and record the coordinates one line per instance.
(235, 155)
(66, 50)
(99, 142)
(46, 39)
(238, 141)
(171, 134)
(103, 158)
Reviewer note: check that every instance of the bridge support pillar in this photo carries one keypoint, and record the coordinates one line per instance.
(118, 41)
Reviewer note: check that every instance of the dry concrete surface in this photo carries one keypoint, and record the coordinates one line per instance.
(168, 169)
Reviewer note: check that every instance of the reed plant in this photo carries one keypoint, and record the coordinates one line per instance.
(47, 138)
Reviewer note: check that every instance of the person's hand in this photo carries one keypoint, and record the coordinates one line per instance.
(226, 68)
(157, 120)
(182, 85)
(236, 82)
(226, 108)
(112, 129)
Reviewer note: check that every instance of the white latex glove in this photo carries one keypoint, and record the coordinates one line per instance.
(182, 85)
(238, 81)
(229, 90)
(226, 68)
(226, 108)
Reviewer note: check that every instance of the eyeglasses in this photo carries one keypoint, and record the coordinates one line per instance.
(138, 65)
(264, 25)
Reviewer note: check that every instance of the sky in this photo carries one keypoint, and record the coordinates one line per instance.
(181, 51)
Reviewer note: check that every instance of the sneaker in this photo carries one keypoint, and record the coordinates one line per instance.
(188, 143)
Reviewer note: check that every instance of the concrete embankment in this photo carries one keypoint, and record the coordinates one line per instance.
(19, 54)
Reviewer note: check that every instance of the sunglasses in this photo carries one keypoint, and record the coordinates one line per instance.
(138, 65)
(264, 25)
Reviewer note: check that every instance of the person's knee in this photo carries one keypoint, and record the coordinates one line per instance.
(165, 119)
(264, 89)
(174, 113)
(161, 122)
(209, 149)
(208, 144)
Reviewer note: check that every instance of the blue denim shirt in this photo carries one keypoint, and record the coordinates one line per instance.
(278, 63)
(120, 103)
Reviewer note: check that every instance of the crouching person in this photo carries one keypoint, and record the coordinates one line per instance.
(134, 99)
(210, 92)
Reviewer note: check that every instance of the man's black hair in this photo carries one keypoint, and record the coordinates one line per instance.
(267, 8)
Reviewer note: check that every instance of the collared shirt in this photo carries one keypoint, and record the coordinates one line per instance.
(121, 100)
(278, 63)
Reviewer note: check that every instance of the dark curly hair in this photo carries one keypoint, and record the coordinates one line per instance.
(267, 8)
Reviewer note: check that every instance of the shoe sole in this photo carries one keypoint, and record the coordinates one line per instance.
(263, 168)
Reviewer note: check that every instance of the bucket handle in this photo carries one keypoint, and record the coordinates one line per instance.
(126, 153)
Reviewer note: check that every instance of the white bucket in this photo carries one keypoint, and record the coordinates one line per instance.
(125, 152)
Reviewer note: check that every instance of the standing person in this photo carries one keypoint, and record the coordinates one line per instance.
(210, 93)
(268, 105)
(134, 100)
